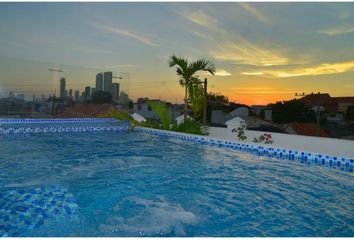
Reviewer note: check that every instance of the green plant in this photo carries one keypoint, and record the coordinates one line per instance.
(163, 112)
(150, 124)
(240, 132)
(114, 113)
(187, 70)
(188, 126)
(196, 97)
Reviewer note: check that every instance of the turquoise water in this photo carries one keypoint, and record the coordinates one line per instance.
(135, 184)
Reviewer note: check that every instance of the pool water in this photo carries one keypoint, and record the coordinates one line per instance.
(136, 184)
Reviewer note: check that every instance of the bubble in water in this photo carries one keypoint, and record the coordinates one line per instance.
(150, 218)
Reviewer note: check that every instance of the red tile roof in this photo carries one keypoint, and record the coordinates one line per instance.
(85, 111)
(332, 104)
(307, 129)
(342, 99)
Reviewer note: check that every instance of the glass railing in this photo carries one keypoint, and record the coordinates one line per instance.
(32, 89)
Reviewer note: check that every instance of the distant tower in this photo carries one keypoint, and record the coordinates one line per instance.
(70, 93)
(62, 87)
(77, 96)
(107, 81)
(99, 82)
(124, 98)
(115, 92)
(87, 93)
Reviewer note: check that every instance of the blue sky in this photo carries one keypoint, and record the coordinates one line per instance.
(263, 51)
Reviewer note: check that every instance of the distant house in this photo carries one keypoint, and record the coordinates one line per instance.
(235, 123)
(219, 117)
(257, 109)
(339, 104)
(238, 112)
(312, 100)
(142, 108)
(337, 117)
(306, 129)
(268, 115)
(327, 103)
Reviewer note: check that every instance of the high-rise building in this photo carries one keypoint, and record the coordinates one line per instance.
(70, 93)
(21, 96)
(93, 90)
(87, 93)
(107, 81)
(115, 92)
(99, 82)
(124, 99)
(77, 96)
(62, 87)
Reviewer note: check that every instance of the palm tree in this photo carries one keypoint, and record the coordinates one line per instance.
(196, 98)
(187, 70)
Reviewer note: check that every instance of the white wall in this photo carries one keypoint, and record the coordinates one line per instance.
(329, 146)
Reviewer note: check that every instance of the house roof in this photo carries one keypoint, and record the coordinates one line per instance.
(342, 100)
(85, 110)
(138, 117)
(332, 104)
(312, 100)
(235, 120)
(307, 129)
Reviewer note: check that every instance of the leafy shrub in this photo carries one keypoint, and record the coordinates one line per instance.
(240, 132)
(163, 112)
(150, 124)
(114, 113)
(188, 126)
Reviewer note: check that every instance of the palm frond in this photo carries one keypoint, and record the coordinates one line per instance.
(202, 65)
(182, 82)
(179, 61)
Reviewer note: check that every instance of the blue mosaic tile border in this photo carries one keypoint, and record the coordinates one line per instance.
(26, 126)
(341, 163)
(59, 120)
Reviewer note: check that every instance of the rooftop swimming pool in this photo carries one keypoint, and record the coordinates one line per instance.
(136, 184)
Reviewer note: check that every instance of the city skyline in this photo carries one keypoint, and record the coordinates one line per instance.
(263, 52)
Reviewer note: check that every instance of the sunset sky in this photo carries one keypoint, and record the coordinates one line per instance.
(263, 52)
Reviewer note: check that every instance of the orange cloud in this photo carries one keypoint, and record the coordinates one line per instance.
(323, 69)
